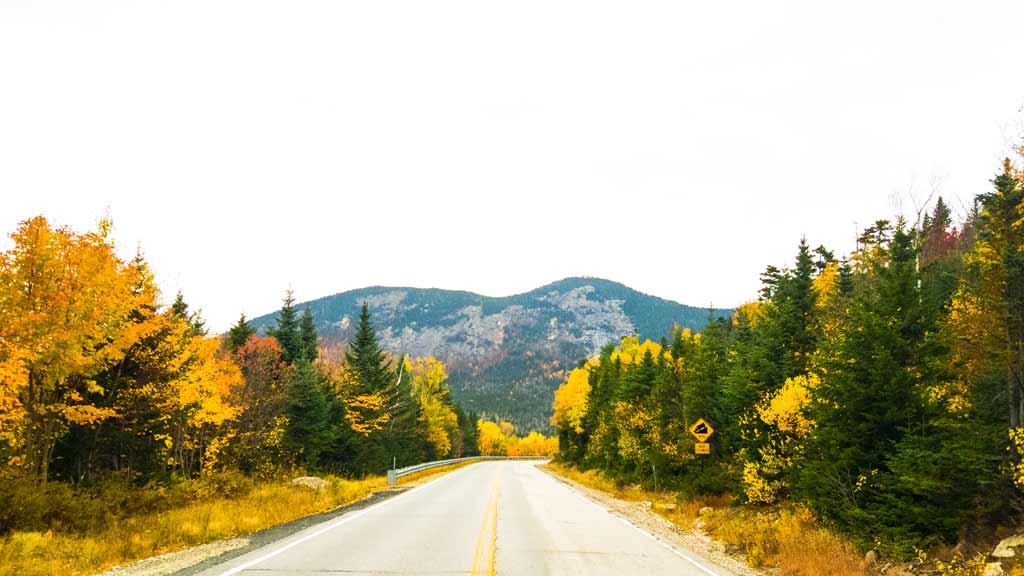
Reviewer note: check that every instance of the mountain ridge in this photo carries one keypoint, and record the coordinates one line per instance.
(506, 354)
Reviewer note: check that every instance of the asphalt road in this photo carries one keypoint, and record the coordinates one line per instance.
(487, 518)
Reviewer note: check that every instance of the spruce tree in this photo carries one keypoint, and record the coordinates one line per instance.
(239, 334)
(373, 375)
(196, 324)
(308, 433)
(308, 336)
(1002, 233)
(287, 330)
(366, 359)
(468, 431)
(795, 304)
(405, 435)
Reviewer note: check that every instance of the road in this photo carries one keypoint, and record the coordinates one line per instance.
(487, 518)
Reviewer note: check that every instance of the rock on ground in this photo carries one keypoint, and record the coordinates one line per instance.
(311, 482)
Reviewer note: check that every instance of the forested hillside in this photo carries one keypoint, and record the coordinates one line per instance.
(505, 355)
(881, 390)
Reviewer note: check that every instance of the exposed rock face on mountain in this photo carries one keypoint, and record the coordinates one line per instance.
(505, 355)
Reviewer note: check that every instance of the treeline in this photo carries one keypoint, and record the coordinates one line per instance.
(882, 390)
(500, 439)
(99, 380)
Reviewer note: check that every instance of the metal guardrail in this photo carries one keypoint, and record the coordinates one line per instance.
(395, 474)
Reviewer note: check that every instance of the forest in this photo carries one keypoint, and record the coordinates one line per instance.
(881, 391)
(114, 405)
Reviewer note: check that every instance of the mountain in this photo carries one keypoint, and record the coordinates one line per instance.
(505, 355)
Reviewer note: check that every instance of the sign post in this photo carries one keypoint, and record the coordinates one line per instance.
(701, 430)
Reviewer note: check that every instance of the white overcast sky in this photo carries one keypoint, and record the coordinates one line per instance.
(677, 147)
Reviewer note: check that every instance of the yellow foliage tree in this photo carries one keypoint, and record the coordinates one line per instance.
(631, 351)
(430, 388)
(570, 405)
(490, 440)
(65, 299)
(766, 478)
(749, 314)
(202, 407)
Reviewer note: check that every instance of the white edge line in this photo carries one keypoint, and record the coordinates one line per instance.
(626, 521)
(331, 525)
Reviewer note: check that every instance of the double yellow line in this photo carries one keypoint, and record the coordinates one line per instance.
(486, 542)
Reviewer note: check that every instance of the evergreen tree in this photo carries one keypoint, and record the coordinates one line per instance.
(287, 330)
(373, 376)
(1002, 233)
(366, 358)
(239, 334)
(308, 336)
(640, 381)
(794, 303)
(405, 435)
(468, 429)
(308, 433)
(179, 309)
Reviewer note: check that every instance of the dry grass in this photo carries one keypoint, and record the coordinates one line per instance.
(789, 540)
(145, 535)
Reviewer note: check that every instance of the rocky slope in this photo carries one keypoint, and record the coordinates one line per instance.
(505, 355)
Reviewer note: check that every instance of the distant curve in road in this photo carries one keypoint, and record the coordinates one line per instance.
(487, 518)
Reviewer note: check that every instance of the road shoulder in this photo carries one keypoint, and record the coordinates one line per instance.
(640, 515)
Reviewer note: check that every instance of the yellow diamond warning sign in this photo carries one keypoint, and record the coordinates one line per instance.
(702, 448)
(701, 430)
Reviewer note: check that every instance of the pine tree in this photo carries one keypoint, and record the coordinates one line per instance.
(308, 336)
(795, 304)
(287, 330)
(239, 334)
(197, 326)
(308, 433)
(373, 378)
(468, 429)
(1002, 233)
(405, 435)
(365, 357)
(640, 380)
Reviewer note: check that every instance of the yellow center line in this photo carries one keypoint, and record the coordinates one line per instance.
(486, 542)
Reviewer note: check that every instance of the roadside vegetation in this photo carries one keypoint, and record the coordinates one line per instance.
(67, 531)
(873, 402)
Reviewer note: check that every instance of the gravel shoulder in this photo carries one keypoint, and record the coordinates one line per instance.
(641, 515)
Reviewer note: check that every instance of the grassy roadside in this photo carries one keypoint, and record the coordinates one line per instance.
(786, 540)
